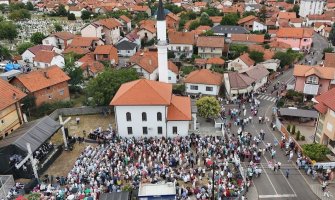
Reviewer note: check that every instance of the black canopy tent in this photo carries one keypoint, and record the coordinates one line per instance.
(35, 133)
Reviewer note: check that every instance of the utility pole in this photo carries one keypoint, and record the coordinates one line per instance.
(63, 129)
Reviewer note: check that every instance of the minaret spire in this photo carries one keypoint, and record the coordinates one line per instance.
(163, 73)
(160, 11)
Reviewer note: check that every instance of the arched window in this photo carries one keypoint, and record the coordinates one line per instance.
(128, 116)
(144, 116)
(159, 116)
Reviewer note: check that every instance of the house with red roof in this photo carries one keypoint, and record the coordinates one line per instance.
(106, 53)
(204, 82)
(298, 38)
(10, 108)
(46, 85)
(145, 108)
(60, 40)
(241, 63)
(325, 127)
(29, 54)
(45, 59)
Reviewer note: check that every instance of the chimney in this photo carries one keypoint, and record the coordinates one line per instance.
(46, 75)
(14, 96)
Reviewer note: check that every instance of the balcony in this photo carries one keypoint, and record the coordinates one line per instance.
(311, 89)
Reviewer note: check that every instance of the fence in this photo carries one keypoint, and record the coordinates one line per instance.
(85, 110)
(6, 183)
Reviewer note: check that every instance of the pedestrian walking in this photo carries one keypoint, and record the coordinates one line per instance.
(287, 172)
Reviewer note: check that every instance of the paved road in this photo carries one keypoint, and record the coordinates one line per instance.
(274, 185)
(319, 43)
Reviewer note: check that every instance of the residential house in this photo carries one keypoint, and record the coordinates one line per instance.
(325, 130)
(252, 23)
(272, 64)
(177, 2)
(46, 85)
(311, 7)
(90, 67)
(237, 85)
(140, 9)
(106, 53)
(326, 32)
(227, 31)
(204, 82)
(147, 30)
(172, 21)
(329, 60)
(181, 43)
(313, 80)
(198, 5)
(259, 74)
(145, 108)
(215, 61)
(11, 116)
(126, 23)
(86, 42)
(106, 29)
(146, 64)
(216, 20)
(241, 63)
(210, 46)
(313, 19)
(45, 59)
(76, 10)
(134, 38)
(279, 46)
(60, 40)
(285, 17)
(126, 48)
(29, 54)
(298, 38)
(76, 50)
(296, 22)
(247, 38)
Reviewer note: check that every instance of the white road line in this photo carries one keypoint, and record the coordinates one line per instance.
(273, 99)
(269, 177)
(277, 196)
(260, 96)
(288, 182)
(268, 98)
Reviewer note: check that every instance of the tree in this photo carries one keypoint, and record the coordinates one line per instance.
(257, 56)
(4, 53)
(230, 19)
(208, 33)
(205, 20)
(289, 128)
(58, 27)
(331, 37)
(237, 49)
(171, 54)
(20, 14)
(290, 1)
(293, 129)
(248, 13)
(61, 11)
(75, 73)
(212, 11)
(194, 25)
(8, 30)
(3, 7)
(140, 16)
(16, 6)
(296, 9)
(297, 137)
(288, 57)
(36, 38)
(85, 15)
(111, 80)
(262, 13)
(315, 151)
(23, 47)
(173, 8)
(71, 17)
(29, 6)
(208, 107)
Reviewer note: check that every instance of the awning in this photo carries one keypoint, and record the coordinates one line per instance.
(114, 196)
(298, 113)
(35, 133)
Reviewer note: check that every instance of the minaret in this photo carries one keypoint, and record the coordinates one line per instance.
(162, 44)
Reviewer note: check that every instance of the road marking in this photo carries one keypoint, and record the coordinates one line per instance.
(288, 182)
(273, 99)
(269, 177)
(277, 196)
(261, 96)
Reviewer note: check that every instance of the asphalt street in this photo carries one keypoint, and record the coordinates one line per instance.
(315, 57)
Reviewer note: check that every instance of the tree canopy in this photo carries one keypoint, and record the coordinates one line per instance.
(208, 107)
(111, 80)
(36, 38)
(29, 6)
(257, 56)
(23, 47)
(85, 15)
(173, 8)
(237, 49)
(212, 11)
(230, 19)
(332, 35)
(71, 16)
(20, 14)
(58, 27)
(8, 30)
(4, 53)
(287, 58)
(75, 73)
(315, 151)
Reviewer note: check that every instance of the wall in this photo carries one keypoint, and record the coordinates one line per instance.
(50, 41)
(329, 118)
(237, 65)
(142, 32)
(325, 85)
(258, 26)
(202, 89)
(205, 52)
(127, 53)
(172, 77)
(85, 110)
(27, 55)
(42, 96)
(145, 74)
(186, 49)
(294, 42)
(59, 61)
(182, 128)
(9, 119)
(136, 120)
(91, 31)
(299, 84)
(309, 7)
(260, 83)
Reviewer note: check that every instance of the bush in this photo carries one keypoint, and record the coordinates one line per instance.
(187, 69)
(302, 138)
(281, 103)
(178, 89)
(315, 151)
(293, 130)
(298, 135)
(289, 128)
(48, 108)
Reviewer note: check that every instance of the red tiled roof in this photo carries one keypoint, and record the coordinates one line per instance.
(40, 47)
(247, 60)
(210, 41)
(179, 109)
(36, 80)
(9, 94)
(44, 56)
(204, 76)
(247, 38)
(326, 100)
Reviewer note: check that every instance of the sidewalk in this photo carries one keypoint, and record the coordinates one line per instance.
(252, 193)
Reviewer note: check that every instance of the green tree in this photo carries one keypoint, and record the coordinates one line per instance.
(315, 151)
(3, 7)
(23, 47)
(205, 20)
(58, 27)
(171, 54)
(61, 11)
(208, 107)
(262, 13)
(194, 25)
(71, 16)
(290, 1)
(212, 11)
(293, 129)
(173, 8)
(4, 53)
(111, 80)
(230, 19)
(296, 9)
(332, 35)
(289, 128)
(257, 56)
(75, 73)
(288, 57)
(237, 49)
(20, 14)
(328, 50)
(8, 30)
(85, 15)
(297, 137)
(118, 13)
(248, 13)
(29, 6)
(36, 38)
(16, 6)
(140, 16)
(28, 103)
(208, 33)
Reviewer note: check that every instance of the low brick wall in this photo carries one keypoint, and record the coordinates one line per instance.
(85, 110)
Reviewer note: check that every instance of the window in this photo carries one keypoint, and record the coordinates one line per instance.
(312, 80)
(174, 129)
(50, 96)
(48, 88)
(130, 130)
(144, 116)
(332, 113)
(45, 65)
(305, 40)
(145, 130)
(61, 92)
(169, 78)
(2, 121)
(194, 87)
(159, 130)
(159, 116)
(105, 55)
(46, 41)
(209, 88)
(128, 116)
(212, 49)
(329, 127)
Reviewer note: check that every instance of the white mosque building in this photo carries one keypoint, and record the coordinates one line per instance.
(146, 108)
